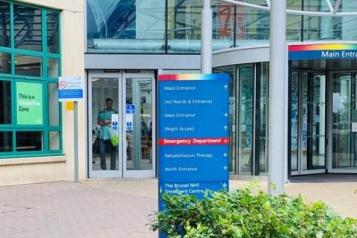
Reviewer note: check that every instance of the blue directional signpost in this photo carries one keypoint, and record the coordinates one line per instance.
(193, 134)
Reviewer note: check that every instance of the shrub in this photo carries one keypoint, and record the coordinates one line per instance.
(250, 213)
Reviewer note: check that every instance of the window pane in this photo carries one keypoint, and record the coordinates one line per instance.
(126, 26)
(294, 4)
(222, 25)
(29, 141)
(28, 28)
(252, 26)
(52, 68)
(54, 140)
(53, 104)
(184, 25)
(5, 24)
(52, 31)
(293, 27)
(245, 113)
(5, 63)
(28, 65)
(5, 141)
(5, 102)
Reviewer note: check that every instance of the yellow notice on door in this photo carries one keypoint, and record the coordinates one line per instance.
(69, 106)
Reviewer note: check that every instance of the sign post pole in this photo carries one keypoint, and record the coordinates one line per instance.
(75, 123)
(71, 89)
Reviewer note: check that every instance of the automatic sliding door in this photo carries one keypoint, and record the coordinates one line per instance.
(307, 119)
(246, 119)
(139, 129)
(252, 108)
(344, 119)
(294, 121)
(104, 107)
(315, 104)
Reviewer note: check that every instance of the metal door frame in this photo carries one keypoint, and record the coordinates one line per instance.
(100, 173)
(330, 121)
(140, 173)
(300, 170)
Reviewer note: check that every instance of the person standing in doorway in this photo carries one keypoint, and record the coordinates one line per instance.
(106, 146)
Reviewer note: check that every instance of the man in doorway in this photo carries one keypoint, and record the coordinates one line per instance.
(106, 146)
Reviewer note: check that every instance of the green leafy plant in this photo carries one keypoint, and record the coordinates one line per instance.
(250, 213)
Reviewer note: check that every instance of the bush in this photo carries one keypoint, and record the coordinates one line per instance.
(250, 213)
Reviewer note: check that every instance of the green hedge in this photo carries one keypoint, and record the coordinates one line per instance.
(250, 213)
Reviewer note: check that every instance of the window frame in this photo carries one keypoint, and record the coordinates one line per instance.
(44, 80)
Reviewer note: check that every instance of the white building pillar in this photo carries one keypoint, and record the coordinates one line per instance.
(206, 38)
(277, 104)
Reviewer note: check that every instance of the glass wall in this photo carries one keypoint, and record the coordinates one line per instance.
(344, 118)
(29, 70)
(252, 26)
(133, 26)
(184, 25)
(126, 26)
(248, 117)
(174, 26)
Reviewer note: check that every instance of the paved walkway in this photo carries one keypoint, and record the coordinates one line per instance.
(66, 210)
(121, 208)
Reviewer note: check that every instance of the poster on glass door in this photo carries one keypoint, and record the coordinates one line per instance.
(130, 110)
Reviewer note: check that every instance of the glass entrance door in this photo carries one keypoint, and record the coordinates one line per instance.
(105, 158)
(140, 126)
(121, 107)
(307, 120)
(343, 122)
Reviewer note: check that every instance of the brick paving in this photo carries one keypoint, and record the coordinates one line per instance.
(120, 208)
(63, 209)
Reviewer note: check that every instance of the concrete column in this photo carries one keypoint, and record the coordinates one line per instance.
(206, 38)
(277, 104)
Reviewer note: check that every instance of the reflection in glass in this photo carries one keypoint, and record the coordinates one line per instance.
(52, 32)
(344, 113)
(317, 122)
(5, 141)
(307, 121)
(261, 117)
(5, 63)
(53, 105)
(304, 124)
(126, 26)
(294, 120)
(5, 102)
(4, 24)
(184, 25)
(252, 26)
(52, 68)
(139, 123)
(293, 27)
(104, 154)
(54, 137)
(257, 2)
(313, 121)
(29, 141)
(245, 132)
(28, 65)
(28, 27)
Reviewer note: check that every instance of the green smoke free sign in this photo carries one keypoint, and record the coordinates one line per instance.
(29, 106)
